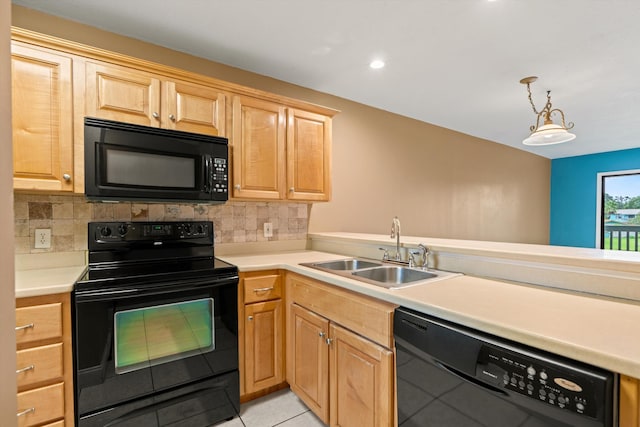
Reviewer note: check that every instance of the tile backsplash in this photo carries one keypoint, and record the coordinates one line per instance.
(67, 217)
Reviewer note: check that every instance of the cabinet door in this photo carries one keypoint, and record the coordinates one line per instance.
(308, 156)
(258, 147)
(310, 360)
(264, 345)
(194, 108)
(42, 119)
(361, 383)
(122, 94)
(629, 401)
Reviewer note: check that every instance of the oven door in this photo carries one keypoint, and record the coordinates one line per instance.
(156, 354)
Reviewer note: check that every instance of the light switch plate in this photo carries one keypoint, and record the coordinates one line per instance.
(43, 238)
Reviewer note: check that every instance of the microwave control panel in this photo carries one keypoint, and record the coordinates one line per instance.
(220, 176)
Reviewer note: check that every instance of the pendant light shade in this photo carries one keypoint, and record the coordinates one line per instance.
(549, 133)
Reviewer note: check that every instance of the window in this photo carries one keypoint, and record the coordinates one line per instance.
(619, 211)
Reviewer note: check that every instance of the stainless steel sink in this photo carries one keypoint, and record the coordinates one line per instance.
(379, 274)
(345, 264)
(394, 275)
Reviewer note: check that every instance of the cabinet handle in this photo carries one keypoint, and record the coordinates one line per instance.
(250, 318)
(237, 186)
(321, 334)
(263, 289)
(328, 341)
(155, 115)
(66, 177)
(291, 190)
(20, 328)
(172, 117)
(25, 369)
(25, 412)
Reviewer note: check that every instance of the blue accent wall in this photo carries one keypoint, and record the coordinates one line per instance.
(573, 194)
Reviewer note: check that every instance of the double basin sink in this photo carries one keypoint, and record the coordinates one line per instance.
(380, 274)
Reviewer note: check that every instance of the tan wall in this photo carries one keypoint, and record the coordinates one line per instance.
(7, 293)
(440, 183)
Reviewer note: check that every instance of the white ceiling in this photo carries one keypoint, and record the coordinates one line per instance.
(453, 63)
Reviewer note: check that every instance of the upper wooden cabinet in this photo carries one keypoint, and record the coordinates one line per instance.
(280, 147)
(42, 118)
(308, 156)
(135, 96)
(280, 153)
(258, 142)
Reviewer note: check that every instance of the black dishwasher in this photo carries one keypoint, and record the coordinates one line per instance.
(449, 375)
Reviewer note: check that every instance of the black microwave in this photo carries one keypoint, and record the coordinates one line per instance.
(130, 162)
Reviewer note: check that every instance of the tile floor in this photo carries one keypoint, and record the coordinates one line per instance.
(282, 409)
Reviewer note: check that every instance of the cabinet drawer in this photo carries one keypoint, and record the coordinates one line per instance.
(38, 322)
(262, 288)
(41, 405)
(39, 364)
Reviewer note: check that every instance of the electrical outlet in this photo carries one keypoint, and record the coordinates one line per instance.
(43, 238)
(268, 229)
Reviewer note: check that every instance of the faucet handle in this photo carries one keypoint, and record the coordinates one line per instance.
(385, 255)
(412, 261)
(425, 255)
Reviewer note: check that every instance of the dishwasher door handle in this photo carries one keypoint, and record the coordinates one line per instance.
(470, 379)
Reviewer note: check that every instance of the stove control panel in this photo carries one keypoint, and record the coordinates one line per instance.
(113, 232)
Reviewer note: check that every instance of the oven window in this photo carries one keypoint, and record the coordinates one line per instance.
(151, 170)
(153, 335)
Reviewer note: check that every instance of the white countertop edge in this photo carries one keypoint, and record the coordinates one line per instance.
(45, 281)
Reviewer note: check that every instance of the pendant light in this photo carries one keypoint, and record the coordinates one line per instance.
(549, 133)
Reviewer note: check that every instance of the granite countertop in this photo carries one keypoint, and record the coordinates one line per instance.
(597, 330)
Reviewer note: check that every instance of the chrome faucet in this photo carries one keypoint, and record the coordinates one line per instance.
(395, 232)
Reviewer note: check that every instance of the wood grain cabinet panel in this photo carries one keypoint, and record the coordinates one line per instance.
(135, 96)
(629, 415)
(44, 364)
(261, 333)
(309, 362)
(41, 405)
(263, 345)
(308, 156)
(39, 364)
(42, 118)
(262, 288)
(258, 142)
(361, 381)
(190, 107)
(38, 322)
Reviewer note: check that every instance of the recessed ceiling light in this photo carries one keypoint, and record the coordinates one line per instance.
(376, 64)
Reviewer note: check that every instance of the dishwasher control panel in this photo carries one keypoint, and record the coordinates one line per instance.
(547, 381)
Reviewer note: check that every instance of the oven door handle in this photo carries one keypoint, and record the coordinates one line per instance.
(470, 379)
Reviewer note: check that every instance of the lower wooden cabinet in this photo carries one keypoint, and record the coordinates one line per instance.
(261, 344)
(629, 399)
(263, 337)
(340, 373)
(44, 368)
